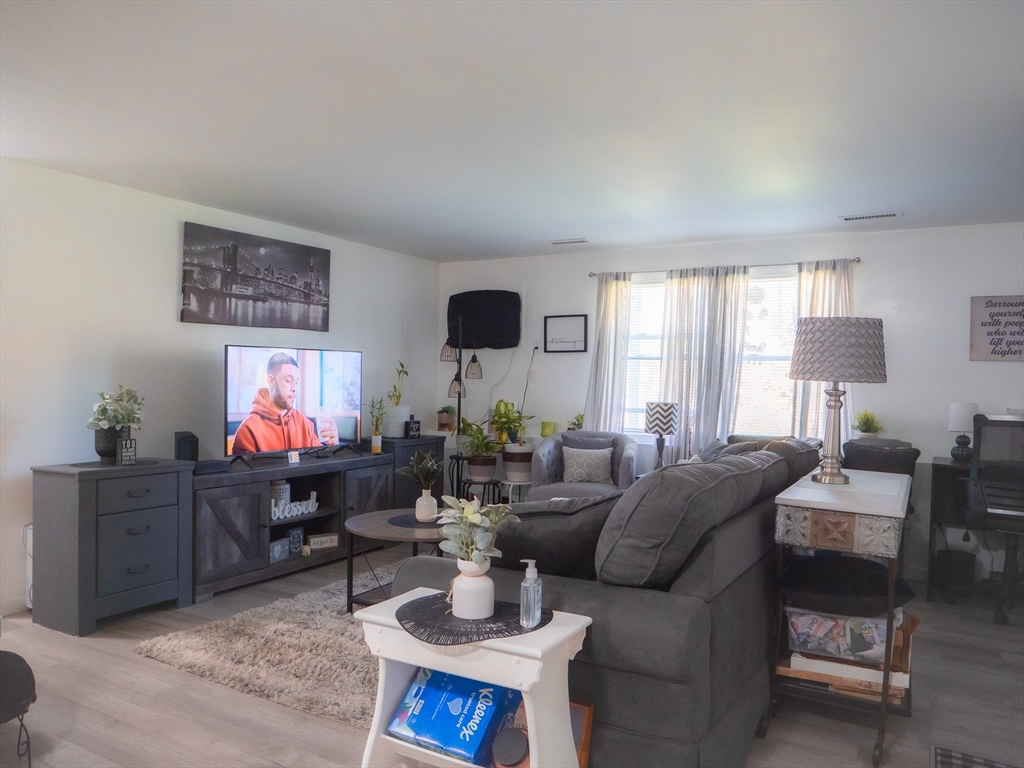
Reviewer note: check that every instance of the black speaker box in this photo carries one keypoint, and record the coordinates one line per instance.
(186, 446)
(489, 319)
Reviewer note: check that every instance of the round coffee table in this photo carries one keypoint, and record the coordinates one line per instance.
(387, 525)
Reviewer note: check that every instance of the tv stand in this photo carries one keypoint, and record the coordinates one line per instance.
(241, 459)
(232, 523)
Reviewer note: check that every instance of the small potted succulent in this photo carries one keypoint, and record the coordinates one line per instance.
(424, 468)
(113, 418)
(446, 418)
(470, 533)
(866, 424)
(480, 450)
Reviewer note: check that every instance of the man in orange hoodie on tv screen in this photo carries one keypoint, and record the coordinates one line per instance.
(273, 424)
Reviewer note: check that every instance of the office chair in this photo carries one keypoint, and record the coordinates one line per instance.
(995, 492)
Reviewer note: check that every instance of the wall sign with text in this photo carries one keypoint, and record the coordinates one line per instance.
(565, 333)
(997, 328)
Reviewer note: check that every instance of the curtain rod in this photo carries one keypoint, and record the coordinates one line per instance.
(854, 260)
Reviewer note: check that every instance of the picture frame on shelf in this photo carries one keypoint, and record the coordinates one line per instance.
(565, 333)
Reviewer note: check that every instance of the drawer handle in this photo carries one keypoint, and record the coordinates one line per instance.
(138, 568)
(138, 493)
(138, 529)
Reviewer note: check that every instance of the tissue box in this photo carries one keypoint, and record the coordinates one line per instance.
(453, 715)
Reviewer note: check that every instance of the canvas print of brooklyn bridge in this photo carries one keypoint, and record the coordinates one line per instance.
(231, 278)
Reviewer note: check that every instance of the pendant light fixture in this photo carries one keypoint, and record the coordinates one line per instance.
(474, 370)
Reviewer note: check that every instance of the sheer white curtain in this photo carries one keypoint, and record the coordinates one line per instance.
(702, 352)
(607, 386)
(823, 291)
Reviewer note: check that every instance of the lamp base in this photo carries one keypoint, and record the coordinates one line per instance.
(660, 443)
(962, 452)
(832, 464)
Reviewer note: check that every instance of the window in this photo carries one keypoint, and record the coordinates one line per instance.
(643, 364)
(767, 393)
(766, 399)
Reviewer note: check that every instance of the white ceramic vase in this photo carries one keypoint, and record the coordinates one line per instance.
(426, 507)
(473, 591)
(394, 426)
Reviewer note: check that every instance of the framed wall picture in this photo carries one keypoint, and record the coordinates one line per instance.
(233, 278)
(565, 333)
(997, 328)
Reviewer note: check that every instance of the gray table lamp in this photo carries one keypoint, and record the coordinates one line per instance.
(837, 349)
(961, 419)
(661, 419)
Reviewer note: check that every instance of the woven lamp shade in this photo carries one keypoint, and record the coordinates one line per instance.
(849, 349)
(662, 418)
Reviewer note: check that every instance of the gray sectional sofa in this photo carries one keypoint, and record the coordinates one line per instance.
(677, 573)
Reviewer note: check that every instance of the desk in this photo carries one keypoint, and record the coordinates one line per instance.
(536, 663)
(864, 517)
(948, 503)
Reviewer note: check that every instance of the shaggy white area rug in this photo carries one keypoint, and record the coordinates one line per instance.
(303, 651)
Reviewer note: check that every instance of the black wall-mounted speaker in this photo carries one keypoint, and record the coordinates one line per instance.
(186, 446)
(490, 319)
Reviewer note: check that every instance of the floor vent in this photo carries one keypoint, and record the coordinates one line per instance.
(571, 241)
(866, 216)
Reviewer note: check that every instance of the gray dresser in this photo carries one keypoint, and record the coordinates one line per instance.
(109, 539)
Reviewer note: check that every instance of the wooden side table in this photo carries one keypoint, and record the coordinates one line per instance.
(864, 517)
(537, 664)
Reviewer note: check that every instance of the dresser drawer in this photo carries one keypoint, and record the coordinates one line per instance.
(142, 528)
(124, 494)
(138, 568)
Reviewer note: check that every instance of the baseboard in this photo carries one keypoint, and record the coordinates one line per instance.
(11, 607)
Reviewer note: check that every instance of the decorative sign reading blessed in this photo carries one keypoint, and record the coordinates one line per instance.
(997, 328)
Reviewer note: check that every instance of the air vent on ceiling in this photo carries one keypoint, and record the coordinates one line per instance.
(570, 241)
(866, 216)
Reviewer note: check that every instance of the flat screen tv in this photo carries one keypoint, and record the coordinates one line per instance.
(280, 399)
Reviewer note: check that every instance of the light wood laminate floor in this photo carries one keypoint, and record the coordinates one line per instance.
(101, 704)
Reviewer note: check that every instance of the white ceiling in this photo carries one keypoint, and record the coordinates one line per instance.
(471, 130)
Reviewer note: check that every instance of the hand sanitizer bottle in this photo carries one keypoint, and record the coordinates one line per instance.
(529, 596)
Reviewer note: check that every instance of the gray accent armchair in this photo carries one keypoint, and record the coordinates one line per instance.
(549, 468)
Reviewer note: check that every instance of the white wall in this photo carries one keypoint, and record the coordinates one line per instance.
(918, 281)
(90, 291)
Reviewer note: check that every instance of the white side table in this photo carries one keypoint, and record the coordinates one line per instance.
(864, 517)
(537, 664)
(510, 484)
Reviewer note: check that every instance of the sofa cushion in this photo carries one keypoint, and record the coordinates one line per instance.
(570, 491)
(660, 518)
(774, 472)
(560, 534)
(718, 448)
(572, 440)
(801, 456)
(761, 441)
(587, 466)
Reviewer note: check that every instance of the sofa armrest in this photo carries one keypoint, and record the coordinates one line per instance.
(627, 465)
(547, 466)
(642, 631)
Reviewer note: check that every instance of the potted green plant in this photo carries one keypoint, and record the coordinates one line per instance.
(446, 418)
(480, 451)
(424, 468)
(516, 454)
(866, 424)
(470, 532)
(576, 422)
(377, 413)
(398, 414)
(112, 418)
